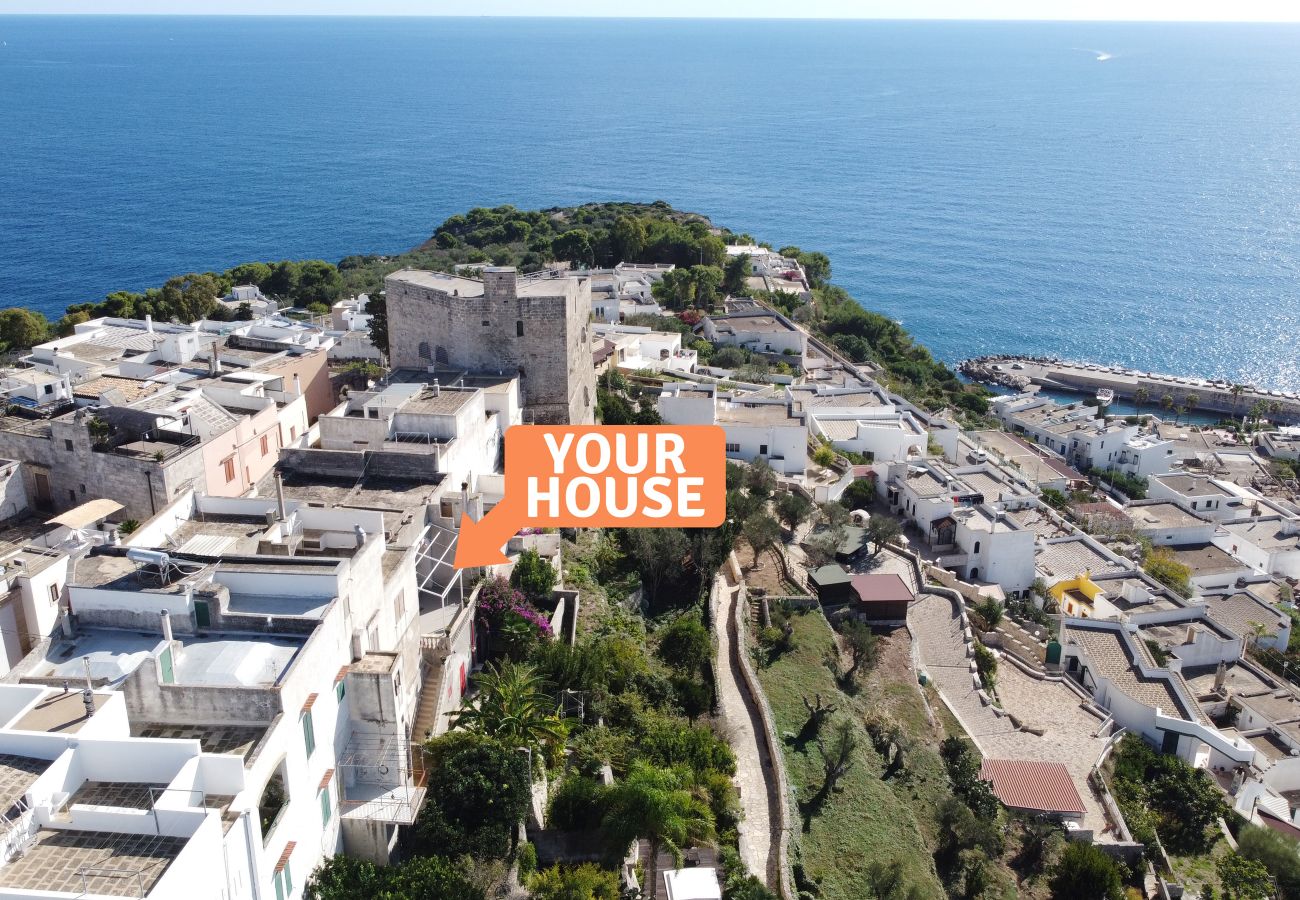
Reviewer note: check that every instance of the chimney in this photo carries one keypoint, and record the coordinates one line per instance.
(279, 496)
(148, 323)
(360, 533)
(167, 622)
(297, 385)
(1191, 634)
(464, 499)
(1220, 674)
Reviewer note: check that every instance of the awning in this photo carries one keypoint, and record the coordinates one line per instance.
(87, 513)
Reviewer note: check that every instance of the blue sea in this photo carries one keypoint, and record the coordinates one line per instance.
(1124, 193)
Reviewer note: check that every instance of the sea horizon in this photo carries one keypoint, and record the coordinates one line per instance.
(1101, 191)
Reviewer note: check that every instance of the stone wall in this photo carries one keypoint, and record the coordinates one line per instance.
(542, 335)
(142, 485)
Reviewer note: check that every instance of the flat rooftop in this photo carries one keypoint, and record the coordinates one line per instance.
(225, 660)
(1241, 613)
(1191, 485)
(1161, 514)
(1267, 534)
(1206, 559)
(58, 713)
(1068, 558)
(763, 414)
(94, 862)
(214, 738)
(1039, 522)
(17, 775)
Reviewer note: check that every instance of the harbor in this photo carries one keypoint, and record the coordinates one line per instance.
(1148, 391)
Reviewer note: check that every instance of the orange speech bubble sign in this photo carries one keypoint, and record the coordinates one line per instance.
(594, 476)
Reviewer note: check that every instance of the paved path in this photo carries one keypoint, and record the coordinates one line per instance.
(1069, 731)
(938, 630)
(755, 777)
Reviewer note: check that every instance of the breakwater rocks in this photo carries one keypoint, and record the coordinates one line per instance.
(1002, 370)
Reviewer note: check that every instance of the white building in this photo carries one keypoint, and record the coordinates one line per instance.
(458, 430)
(755, 428)
(1111, 661)
(1201, 494)
(760, 330)
(963, 515)
(1165, 522)
(1269, 544)
(34, 388)
(638, 348)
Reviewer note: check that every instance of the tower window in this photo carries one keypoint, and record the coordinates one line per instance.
(519, 328)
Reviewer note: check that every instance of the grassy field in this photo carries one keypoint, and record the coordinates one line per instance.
(870, 819)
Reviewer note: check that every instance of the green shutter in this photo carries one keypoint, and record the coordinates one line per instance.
(340, 689)
(325, 809)
(279, 887)
(308, 733)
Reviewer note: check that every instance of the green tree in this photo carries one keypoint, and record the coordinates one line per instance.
(686, 644)
(627, 239)
(707, 281)
(1164, 567)
(479, 792)
(22, 329)
(1279, 854)
(864, 648)
(189, 297)
(728, 358)
(882, 530)
(534, 576)
(585, 882)
(660, 555)
(1086, 873)
(1241, 878)
(511, 707)
(760, 480)
(1140, 396)
(257, 273)
(793, 509)
(761, 533)
(735, 272)
(656, 804)
(575, 246)
(318, 282)
(860, 494)
(423, 878)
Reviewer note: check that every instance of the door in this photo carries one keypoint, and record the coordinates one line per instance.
(43, 498)
(202, 614)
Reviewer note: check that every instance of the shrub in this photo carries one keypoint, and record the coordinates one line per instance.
(585, 882)
(526, 857)
(1086, 873)
(577, 804)
(824, 455)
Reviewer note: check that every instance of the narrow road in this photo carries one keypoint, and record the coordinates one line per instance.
(755, 776)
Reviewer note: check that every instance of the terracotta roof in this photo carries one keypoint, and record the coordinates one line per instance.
(325, 779)
(882, 589)
(284, 857)
(1033, 785)
(311, 700)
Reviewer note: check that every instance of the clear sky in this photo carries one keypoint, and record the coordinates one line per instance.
(1127, 10)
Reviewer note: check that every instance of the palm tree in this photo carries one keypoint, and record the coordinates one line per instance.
(656, 804)
(1236, 391)
(1140, 396)
(1167, 401)
(1192, 401)
(512, 708)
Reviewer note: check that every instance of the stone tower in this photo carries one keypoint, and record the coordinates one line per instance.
(533, 325)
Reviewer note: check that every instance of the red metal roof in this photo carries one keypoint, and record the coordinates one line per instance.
(882, 589)
(1032, 785)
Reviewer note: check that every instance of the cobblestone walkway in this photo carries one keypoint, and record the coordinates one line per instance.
(938, 630)
(1069, 732)
(755, 775)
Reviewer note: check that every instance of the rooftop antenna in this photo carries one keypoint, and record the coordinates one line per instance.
(88, 695)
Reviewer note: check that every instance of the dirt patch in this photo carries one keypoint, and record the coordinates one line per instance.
(766, 575)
